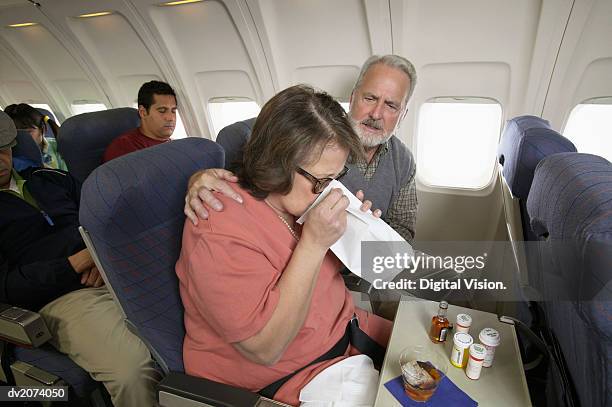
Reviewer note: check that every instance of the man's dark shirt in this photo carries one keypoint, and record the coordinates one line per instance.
(35, 242)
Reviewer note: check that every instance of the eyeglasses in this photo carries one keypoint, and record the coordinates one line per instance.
(319, 184)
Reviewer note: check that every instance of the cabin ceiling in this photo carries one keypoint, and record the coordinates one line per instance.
(532, 56)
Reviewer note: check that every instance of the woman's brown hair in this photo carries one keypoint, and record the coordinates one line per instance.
(292, 130)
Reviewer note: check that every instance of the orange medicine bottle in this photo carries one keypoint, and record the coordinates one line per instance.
(439, 324)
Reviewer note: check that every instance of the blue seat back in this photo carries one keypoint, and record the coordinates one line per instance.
(525, 141)
(132, 208)
(85, 137)
(26, 153)
(48, 130)
(570, 205)
(233, 138)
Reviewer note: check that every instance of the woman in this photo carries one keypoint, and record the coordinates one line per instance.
(263, 297)
(28, 118)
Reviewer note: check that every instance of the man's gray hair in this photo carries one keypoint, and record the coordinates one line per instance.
(393, 61)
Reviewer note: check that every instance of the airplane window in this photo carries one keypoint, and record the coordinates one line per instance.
(589, 127)
(179, 130)
(78, 108)
(456, 142)
(228, 111)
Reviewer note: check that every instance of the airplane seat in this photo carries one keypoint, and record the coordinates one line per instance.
(570, 205)
(233, 138)
(28, 360)
(51, 361)
(524, 142)
(84, 137)
(136, 231)
(135, 236)
(26, 153)
(48, 130)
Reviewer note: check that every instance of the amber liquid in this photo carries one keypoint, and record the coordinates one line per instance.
(437, 325)
(423, 393)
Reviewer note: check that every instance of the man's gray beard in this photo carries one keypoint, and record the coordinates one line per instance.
(369, 140)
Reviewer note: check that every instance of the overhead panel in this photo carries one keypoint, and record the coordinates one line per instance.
(130, 84)
(205, 43)
(322, 43)
(46, 57)
(38, 46)
(15, 86)
(17, 81)
(446, 30)
(584, 64)
(596, 81)
(234, 84)
(78, 91)
(336, 80)
(476, 79)
(469, 32)
(117, 51)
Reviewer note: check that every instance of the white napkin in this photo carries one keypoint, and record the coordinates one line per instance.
(361, 227)
(351, 382)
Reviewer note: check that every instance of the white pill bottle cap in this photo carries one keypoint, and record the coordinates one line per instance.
(489, 337)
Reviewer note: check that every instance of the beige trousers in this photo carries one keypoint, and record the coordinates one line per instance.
(88, 326)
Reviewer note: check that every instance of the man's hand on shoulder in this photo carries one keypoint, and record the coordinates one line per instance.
(200, 192)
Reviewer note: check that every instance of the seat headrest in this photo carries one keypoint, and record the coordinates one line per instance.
(132, 207)
(233, 138)
(48, 131)
(571, 194)
(570, 204)
(26, 153)
(84, 137)
(525, 141)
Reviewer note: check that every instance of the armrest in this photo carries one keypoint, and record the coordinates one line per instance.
(176, 388)
(22, 327)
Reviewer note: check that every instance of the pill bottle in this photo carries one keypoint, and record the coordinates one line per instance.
(476, 358)
(459, 353)
(490, 338)
(463, 323)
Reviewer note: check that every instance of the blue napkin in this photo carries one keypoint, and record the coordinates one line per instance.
(447, 394)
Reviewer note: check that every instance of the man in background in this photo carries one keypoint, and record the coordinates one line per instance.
(157, 111)
(45, 267)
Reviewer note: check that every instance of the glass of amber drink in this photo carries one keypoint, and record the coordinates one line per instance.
(422, 372)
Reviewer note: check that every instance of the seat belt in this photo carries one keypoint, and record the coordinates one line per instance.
(353, 335)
